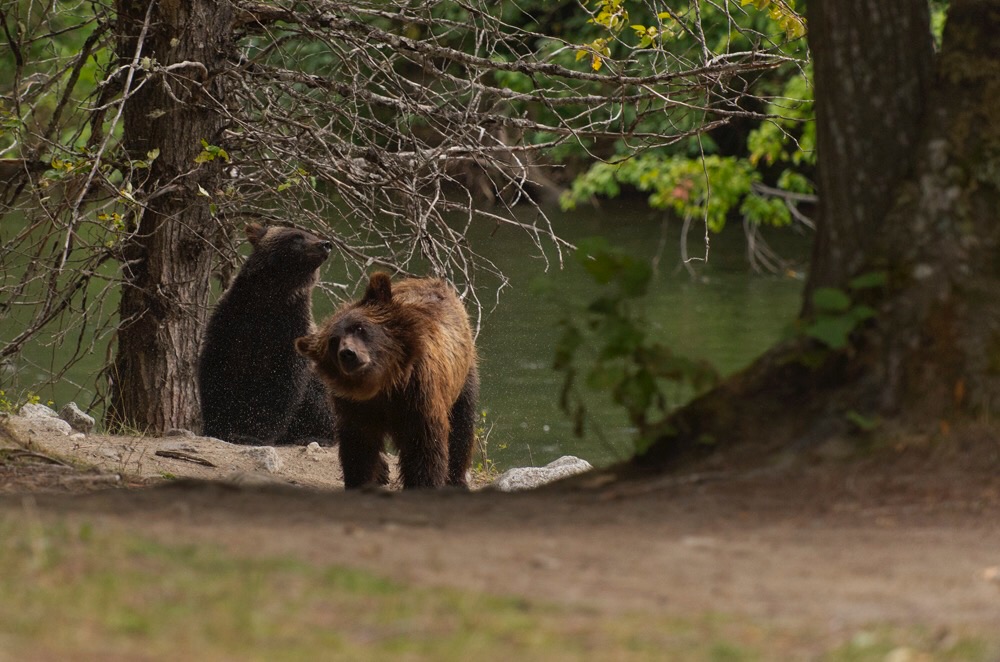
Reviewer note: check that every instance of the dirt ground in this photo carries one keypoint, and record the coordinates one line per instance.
(905, 535)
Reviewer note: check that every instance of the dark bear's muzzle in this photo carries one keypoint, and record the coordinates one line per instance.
(349, 360)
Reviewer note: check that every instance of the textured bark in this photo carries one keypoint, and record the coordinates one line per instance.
(940, 336)
(909, 169)
(872, 63)
(165, 295)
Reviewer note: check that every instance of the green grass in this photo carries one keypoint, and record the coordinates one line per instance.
(80, 591)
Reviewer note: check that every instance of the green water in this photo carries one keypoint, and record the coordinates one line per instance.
(725, 314)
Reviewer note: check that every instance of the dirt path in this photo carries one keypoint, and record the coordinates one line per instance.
(909, 537)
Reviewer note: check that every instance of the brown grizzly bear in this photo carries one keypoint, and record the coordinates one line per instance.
(401, 363)
(255, 388)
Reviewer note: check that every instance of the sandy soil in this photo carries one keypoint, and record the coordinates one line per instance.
(907, 535)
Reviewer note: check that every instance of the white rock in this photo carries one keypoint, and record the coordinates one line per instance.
(110, 453)
(264, 457)
(313, 447)
(43, 417)
(77, 418)
(78, 436)
(35, 411)
(527, 478)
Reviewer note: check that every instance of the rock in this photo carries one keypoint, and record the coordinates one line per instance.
(44, 417)
(178, 432)
(251, 479)
(77, 418)
(35, 411)
(527, 478)
(78, 436)
(110, 453)
(314, 451)
(264, 457)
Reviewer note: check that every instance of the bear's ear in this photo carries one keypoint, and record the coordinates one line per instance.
(306, 346)
(255, 232)
(379, 289)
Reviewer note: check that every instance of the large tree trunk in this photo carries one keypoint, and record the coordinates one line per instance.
(940, 336)
(165, 295)
(872, 64)
(909, 157)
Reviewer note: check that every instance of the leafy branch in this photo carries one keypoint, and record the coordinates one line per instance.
(606, 348)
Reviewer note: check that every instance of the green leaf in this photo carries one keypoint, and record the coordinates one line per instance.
(869, 280)
(831, 300)
(602, 378)
(621, 338)
(604, 305)
(634, 277)
(833, 332)
(863, 423)
(861, 313)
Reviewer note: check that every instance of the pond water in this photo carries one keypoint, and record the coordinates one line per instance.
(725, 314)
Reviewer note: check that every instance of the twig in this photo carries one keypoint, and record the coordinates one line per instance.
(178, 455)
(15, 453)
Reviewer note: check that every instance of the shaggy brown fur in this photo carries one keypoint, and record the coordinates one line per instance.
(401, 363)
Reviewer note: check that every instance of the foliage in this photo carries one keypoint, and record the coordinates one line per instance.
(677, 183)
(712, 187)
(607, 347)
(485, 468)
(837, 313)
(784, 14)
(9, 404)
(696, 179)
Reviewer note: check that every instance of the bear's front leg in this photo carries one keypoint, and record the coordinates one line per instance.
(423, 453)
(361, 456)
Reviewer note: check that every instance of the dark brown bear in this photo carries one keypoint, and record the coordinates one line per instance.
(255, 388)
(400, 363)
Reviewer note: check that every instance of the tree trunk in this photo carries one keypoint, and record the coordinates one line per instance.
(872, 64)
(165, 295)
(940, 339)
(909, 172)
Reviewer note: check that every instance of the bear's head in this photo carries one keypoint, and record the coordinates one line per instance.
(289, 256)
(367, 347)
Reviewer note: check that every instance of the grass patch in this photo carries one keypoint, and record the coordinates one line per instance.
(82, 591)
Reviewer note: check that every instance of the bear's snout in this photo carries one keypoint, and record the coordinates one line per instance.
(349, 360)
(320, 249)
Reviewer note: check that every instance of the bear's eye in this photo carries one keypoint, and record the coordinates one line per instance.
(357, 330)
